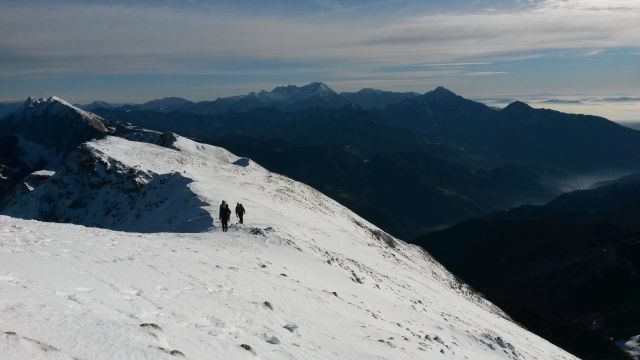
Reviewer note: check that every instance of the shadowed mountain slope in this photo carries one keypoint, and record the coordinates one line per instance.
(568, 270)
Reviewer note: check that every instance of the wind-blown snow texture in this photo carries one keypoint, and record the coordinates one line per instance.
(305, 278)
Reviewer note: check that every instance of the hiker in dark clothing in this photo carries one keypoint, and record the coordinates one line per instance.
(225, 215)
(240, 212)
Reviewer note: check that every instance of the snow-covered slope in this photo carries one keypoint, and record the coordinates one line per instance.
(304, 278)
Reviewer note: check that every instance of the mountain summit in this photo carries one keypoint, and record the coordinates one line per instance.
(292, 92)
(441, 92)
(39, 133)
(442, 97)
(47, 129)
(52, 108)
(292, 97)
(517, 107)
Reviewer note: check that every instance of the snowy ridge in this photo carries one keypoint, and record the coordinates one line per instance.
(48, 129)
(55, 106)
(94, 188)
(305, 278)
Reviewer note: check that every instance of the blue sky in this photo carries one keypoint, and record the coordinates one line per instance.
(129, 51)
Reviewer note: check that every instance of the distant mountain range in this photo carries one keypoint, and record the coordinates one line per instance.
(395, 177)
(421, 162)
(568, 269)
(520, 133)
(285, 98)
(426, 161)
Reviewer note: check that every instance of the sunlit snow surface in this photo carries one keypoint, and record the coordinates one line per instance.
(304, 278)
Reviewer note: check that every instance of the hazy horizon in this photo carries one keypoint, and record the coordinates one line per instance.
(616, 107)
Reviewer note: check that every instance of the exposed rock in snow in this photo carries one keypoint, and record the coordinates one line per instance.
(43, 174)
(33, 180)
(335, 285)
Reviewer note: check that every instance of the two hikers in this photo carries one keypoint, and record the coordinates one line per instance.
(225, 214)
(240, 212)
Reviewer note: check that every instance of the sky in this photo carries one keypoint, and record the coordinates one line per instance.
(573, 55)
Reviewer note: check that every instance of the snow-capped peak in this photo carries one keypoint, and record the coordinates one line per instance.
(33, 102)
(62, 101)
(319, 87)
(51, 108)
(296, 93)
(50, 128)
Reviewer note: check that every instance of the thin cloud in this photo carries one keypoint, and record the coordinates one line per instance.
(454, 64)
(485, 73)
(592, 53)
(560, 101)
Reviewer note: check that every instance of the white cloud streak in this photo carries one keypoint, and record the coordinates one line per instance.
(486, 73)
